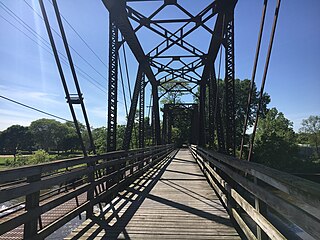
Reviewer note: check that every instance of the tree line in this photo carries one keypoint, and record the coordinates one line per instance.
(53, 136)
(276, 144)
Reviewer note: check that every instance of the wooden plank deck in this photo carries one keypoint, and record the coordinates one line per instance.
(171, 201)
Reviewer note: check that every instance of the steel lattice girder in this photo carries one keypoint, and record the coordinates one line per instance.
(141, 111)
(117, 7)
(170, 111)
(229, 87)
(220, 7)
(226, 10)
(112, 85)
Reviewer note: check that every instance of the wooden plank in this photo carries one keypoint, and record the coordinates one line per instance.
(171, 201)
(54, 216)
(26, 171)
(293, 213)
(305, 190)
(267, 227)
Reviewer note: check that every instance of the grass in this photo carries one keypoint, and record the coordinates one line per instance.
(52, 157)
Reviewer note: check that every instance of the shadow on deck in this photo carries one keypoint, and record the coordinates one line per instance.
(171, 201)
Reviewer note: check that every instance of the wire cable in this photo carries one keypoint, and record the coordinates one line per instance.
(57, 33)
(35, 109)
(254, 70)
(88, 46)
(265, 72)
(46, 44)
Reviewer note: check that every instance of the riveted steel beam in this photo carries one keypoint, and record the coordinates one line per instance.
(118, 8)
(112, 85)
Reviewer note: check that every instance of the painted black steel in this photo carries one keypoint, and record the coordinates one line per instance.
(79, 95)
(112, 85)
(62, 77)
(141, 111)
(132, 112)
(229, 86)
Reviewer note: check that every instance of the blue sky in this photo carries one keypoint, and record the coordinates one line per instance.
(28, 72)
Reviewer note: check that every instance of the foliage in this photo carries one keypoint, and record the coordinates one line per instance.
(242, 88)
(120, 135)
(275, 142)
(39, 156)
(311, 129)
(15, 138)
(100, 139)
(177, 136)
(48, 133)
(172, 90)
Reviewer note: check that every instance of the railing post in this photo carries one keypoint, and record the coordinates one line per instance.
(32, 201)
(90, 192)
(261, 207)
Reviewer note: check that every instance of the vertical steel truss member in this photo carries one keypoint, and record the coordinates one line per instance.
(141, 111)
(215, 122)
(153, 128)
(71, 98)
(117, 8)
(170, 124)
(132, 112)
(194, 125)
(202, 102)
(229, 85)
(165, 124)
(112, 85)
(218, 122)
(212, 84)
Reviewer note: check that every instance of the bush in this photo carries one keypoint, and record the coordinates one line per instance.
(39, 156)
(20, 160)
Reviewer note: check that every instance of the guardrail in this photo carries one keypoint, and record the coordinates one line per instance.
(40, 190)
(264, 202)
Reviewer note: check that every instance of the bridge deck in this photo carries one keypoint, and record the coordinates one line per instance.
(171, 201)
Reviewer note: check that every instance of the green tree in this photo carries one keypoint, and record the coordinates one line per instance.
(120, 135)
(48, 133)
(70, 140)
(39, 156)
(241, 88)
(100, 139)
(173, 91)
(16, 138)
(311, 127)
(275, 144)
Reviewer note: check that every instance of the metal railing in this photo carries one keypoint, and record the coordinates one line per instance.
(265, 203)
(42, 198)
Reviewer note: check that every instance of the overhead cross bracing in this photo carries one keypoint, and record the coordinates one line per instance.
(172, 53)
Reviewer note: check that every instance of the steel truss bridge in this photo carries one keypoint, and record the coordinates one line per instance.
(201, 191)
